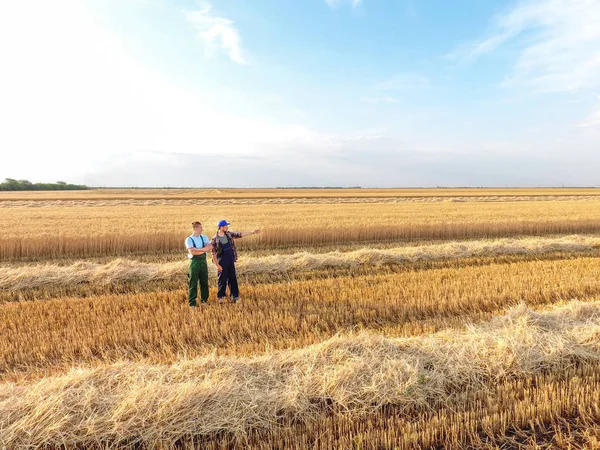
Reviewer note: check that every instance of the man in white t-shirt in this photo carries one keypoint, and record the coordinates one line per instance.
(197, 245)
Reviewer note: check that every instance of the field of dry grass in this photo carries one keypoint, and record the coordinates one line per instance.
(169, 194)
(359, 374)
(451, 325)
(116, 230)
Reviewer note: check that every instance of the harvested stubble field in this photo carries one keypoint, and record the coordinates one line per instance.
(363, 325)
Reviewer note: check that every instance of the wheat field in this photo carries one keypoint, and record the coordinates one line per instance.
(371, 320)
(287, 193)
(131, 229)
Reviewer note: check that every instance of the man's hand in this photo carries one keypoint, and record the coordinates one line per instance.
(256, 232)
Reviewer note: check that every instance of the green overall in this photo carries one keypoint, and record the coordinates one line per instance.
(198, 272)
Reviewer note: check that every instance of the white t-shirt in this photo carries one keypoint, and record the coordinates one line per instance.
(196, 241)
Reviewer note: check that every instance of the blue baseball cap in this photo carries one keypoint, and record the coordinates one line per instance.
(222, 223)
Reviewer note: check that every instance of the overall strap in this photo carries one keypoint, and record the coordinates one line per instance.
(202, 256)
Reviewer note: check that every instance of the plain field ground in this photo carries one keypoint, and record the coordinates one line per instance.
(478, 329)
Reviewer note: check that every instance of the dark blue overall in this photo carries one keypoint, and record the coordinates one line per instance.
(227, 275)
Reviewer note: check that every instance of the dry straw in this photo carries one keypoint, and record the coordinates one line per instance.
(124, 270)
(140, 403)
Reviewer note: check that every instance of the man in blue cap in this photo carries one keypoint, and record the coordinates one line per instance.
(224, 256)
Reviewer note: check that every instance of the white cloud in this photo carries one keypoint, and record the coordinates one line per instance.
(77, 104)
(558, 42)
(74, 97)
(216, 31)
(470, 51)
(592, 121)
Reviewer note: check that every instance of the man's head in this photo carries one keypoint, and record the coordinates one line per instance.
(197, 227)
(223, 225)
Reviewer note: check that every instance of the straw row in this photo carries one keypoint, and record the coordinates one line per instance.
(284, 201)
(138, 403)
(124, 270)
(49, 334)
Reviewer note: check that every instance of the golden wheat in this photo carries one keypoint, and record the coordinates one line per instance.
(84, 232)
(161, 326)
(159, 194)
(208, 202)
(332, 344)
(32, 276)
(143, 404)
(545, 411)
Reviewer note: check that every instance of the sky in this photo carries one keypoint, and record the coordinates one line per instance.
(283, 93)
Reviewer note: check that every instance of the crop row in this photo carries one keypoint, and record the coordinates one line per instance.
(41, 335)
(467, 371)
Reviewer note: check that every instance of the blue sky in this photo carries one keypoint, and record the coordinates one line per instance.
(285, 93)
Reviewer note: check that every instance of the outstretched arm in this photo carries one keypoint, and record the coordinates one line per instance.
(248, 233)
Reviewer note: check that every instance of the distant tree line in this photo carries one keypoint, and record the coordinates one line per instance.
(10, 184)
